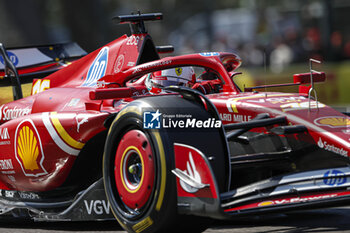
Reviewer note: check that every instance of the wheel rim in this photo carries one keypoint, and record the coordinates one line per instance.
(134, 170)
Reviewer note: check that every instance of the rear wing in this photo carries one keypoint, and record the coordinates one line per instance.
(22, 65)
(41, 60)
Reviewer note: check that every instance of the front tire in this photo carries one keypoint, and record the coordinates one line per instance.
(141, 191)
(148, 203)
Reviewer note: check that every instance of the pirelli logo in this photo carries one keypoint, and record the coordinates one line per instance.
(143, 225)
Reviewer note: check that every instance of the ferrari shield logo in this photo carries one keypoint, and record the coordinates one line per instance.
(178, 71)
(28, 149)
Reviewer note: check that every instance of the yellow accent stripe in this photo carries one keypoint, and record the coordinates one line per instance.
(121, 169)
(124, 111)
(234, 107)
(63, 133)
(163, 169)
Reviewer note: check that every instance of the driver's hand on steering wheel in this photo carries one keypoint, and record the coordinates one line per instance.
(208, 87)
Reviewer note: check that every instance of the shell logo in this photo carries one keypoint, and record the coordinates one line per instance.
(333, 122)
(266, 203)
(28, 149)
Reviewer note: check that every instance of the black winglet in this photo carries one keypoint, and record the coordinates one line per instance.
(136, 21)
(11, 72)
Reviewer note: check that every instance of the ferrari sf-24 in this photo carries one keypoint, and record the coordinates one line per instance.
(124, 134)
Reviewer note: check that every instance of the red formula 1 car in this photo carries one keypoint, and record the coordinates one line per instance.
(108, 137)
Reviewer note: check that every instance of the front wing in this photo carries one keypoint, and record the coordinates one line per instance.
(313, 189)
(198, 191)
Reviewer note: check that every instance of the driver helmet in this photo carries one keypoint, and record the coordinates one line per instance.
(179, 76)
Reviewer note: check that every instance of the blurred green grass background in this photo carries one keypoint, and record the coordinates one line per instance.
(334, 91)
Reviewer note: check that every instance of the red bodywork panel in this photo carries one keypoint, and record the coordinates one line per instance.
(328, 128)
(193, 163)
(42, 135)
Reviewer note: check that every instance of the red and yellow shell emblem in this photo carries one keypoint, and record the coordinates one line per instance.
(28, 149)
(333, 122)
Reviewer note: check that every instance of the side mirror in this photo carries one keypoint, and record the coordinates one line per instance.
(305, 78)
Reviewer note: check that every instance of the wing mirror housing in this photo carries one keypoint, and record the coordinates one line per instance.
(305, 78)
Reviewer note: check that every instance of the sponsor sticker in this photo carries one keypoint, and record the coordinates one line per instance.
(97, 207)
(266, 203)
(241, 118)
(4, 136)
(332, 148)
(19, 194)
(279, 100)
(138, 93)
(10, 113)
(12, 56)
(10, 194)
(232, 103)
(235, 117)
(40, 86)
(8, 172)
(334, 178)
(140, 69)
(301, 106)
(119, 63)
(225, 117)
(333, 121)
(81, 119)
(6, 164)
(133, 40)
(346, 131)
(296, 199)
(209, 54)
(73, 102)
(28, 195)
(97, 69)
(28, 149)
(131, 63)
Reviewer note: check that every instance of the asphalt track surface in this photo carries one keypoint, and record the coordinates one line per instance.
(313, 221)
